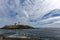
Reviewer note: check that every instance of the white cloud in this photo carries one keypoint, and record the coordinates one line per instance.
(28, 10)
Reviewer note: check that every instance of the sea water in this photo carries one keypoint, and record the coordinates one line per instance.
(43, 33)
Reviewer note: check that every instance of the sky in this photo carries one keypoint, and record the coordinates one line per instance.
(30, 12)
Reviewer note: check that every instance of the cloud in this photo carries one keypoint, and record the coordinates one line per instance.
(28, 12)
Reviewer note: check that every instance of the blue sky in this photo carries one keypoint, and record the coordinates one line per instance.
(29, 12)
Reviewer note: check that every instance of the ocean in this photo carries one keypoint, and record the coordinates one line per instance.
(43, 33)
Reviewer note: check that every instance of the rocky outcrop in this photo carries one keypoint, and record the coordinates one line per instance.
(17, 27)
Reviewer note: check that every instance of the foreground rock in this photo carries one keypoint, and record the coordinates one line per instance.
(7, 38)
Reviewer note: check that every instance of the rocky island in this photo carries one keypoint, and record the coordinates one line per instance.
(17, 26)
